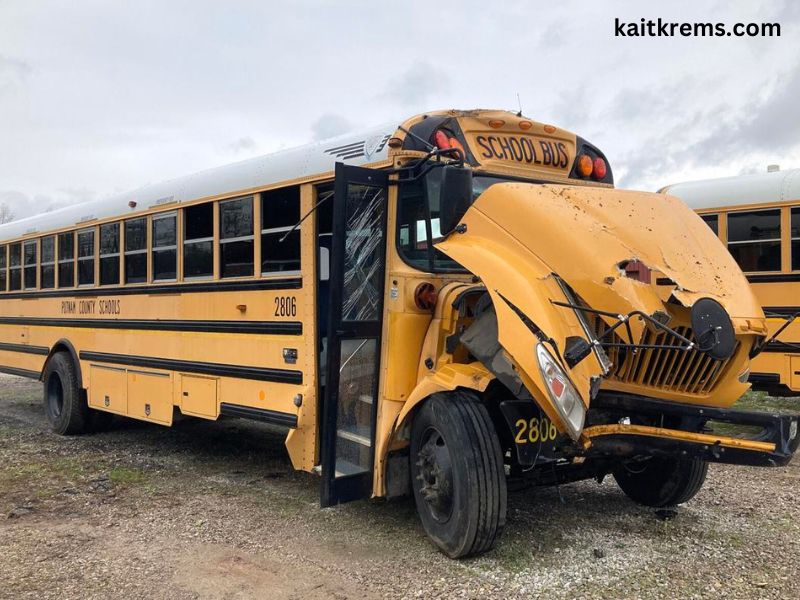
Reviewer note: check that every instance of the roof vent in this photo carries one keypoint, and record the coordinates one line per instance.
(773, 168)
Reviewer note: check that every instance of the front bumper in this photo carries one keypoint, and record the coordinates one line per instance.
(679, 432)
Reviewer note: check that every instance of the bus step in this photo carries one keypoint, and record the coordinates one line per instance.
(354, 437)
(345, 467)
(365, 398)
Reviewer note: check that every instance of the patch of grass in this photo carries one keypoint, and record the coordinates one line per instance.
(126, 476)
(762, 402)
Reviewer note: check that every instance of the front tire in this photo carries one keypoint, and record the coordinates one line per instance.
(64, 405)
(660, 482)
(457, 474)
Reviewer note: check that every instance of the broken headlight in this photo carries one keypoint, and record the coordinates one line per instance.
(565, 397)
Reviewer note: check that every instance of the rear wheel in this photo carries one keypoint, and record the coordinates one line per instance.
(64, 404)
(661, 481)
(457, 474)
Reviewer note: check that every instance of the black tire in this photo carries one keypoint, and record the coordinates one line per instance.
(457, 474)
(64, 403)
(661, 482)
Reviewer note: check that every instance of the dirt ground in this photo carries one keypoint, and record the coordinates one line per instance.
(214, 510)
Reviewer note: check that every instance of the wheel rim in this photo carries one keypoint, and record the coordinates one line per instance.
(436, 475)
(55, 395)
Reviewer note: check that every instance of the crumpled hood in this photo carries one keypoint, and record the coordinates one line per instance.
(517, 235)
(583, 234)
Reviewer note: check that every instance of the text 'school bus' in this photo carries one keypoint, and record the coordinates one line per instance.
(429, 307)
(758, 218)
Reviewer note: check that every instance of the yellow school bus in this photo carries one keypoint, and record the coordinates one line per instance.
(430, 307)
(758, 218)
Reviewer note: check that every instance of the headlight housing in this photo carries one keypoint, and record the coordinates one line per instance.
(565, 397)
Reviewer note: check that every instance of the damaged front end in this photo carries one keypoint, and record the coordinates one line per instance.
(617, 316)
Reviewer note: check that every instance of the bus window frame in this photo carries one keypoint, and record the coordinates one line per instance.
(263, 197)
(117, 254)
(80, 258)
(4, 267)
(184, 241)
(779, 239)
(72, 259)
(154, 249)
(52, 263)
(792, 239)
(126, 253)
(220, 242)
(34, 265)
(13, 268)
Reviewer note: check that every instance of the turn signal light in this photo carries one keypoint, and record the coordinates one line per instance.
(441, 140)
(585, 165)
(395, 142)
(425, 296)
(599, 167)
(445, 142)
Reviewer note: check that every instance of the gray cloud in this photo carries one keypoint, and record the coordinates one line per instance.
(330, 125)
(13, 72)
(244, 144)
(417, 84)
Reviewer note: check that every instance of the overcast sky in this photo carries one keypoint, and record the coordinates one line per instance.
(99, 97)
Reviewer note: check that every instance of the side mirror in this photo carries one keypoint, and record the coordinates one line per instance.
(455, 196)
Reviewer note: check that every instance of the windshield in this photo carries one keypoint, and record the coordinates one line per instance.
(418, 221)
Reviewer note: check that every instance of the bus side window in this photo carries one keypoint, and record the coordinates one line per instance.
(280, 211)
(15, 267)
(795, 233)
(713, 222)
(47, 273)
(754, 239)
(29, 270)
(198, 244)
(165, 247)
(109, 254)
(66, 259)
(236, 239)
(86, 257)
(3, 264)
(136, 250)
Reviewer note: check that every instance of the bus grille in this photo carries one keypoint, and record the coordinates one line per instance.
(673, 369)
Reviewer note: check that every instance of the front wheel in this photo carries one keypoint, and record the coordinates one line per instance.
(457, 474)
(661, 481)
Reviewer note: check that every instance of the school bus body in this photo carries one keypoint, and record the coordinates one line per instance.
(558, 310)
(774, 199)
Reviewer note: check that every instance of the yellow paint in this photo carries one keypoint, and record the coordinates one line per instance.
(672, 434)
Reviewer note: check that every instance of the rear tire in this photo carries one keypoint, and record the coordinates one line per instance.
(661, 482)
(457, 474)
(64, 405)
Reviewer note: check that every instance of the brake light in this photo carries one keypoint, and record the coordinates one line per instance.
(599, 166)
(585, 165)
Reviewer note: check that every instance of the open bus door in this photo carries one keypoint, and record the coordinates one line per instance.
(357, 272)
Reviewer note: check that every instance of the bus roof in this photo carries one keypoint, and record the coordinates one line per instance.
(368, 146)
(762, 188)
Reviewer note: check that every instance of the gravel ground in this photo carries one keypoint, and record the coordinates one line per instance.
(214, 510)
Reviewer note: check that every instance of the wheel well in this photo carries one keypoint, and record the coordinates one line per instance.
(64, 345)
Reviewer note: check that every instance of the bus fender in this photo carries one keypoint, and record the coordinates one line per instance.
(447, 378)
(61, 346)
